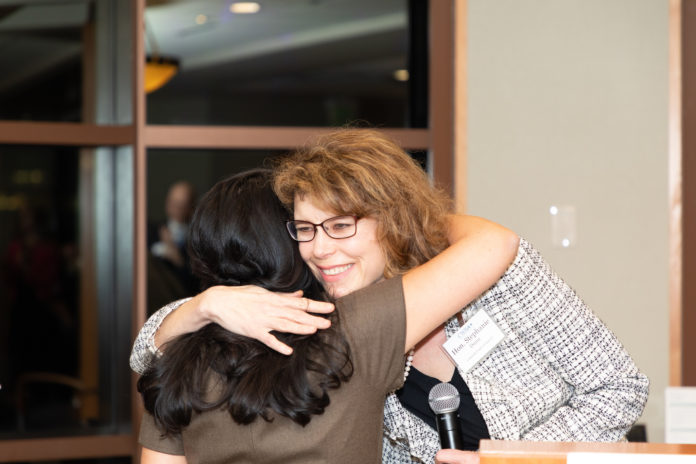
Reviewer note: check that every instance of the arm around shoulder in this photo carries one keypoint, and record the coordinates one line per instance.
(245, 310)
(145, 345)
(464, 227)
(479, 254)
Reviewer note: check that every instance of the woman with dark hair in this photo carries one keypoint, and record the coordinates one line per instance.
(213, 396)
(232, 244)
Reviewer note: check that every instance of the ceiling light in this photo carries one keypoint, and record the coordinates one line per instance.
(245, 7)
(401, 75)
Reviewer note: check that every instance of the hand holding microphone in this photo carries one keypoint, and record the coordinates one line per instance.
(444, 401)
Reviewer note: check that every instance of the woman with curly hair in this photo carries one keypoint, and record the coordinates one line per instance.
(557, 374)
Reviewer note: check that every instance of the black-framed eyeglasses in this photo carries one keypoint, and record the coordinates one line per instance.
(335, 227)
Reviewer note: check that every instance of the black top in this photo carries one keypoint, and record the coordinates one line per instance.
(414, 397)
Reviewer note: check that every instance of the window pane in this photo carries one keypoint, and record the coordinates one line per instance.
(293, 63)
(65, 290)
(57, 60)
(171, 175)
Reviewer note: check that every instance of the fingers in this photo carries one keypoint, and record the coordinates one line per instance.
(287, 326)
(301, 328)
(295, 301)
(322, 307)
(292, 320)
(255, 312)
(273, 343)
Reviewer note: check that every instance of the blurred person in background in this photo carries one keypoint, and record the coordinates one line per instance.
(169, 269)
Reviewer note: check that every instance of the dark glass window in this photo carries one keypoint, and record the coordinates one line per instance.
(62, 60)
(41, 57)
(176, 178)
(64, 290)
(310, 63)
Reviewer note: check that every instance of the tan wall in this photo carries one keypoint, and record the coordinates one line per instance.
(567, 105)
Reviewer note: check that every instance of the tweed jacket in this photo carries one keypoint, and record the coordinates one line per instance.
(559, 375)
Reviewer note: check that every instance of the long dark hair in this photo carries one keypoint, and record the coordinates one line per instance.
(237, 237)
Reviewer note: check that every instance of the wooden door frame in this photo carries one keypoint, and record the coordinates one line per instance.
(682, 192)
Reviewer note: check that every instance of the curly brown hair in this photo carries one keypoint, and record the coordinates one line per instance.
(362, 172)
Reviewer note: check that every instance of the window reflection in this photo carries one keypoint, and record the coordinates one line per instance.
(313, 63)
(39, 287)
(42, 59)
(176, 178)
(52, 334)
(169, 266)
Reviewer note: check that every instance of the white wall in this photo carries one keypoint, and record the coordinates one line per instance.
(568, 106)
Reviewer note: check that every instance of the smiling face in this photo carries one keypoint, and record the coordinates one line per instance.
(342, 265)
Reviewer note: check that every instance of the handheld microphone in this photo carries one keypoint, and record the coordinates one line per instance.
(444, 401)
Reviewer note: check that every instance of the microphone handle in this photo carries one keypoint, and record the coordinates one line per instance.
(448, 429)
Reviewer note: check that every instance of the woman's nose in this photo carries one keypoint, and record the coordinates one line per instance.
(323, 245)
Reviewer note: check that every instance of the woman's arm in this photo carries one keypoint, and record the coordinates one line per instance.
(487, 249)
(480, 253)
(229, 307)
(148, 456)
(144, 348)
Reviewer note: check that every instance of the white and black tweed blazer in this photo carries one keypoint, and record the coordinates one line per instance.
(559, 375)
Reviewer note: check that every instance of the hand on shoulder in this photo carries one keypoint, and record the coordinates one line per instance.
(247, 310)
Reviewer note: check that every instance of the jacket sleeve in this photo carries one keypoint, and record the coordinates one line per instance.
(144, 349)
(607, 392)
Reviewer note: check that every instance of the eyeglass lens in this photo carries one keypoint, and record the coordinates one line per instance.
(335, 227)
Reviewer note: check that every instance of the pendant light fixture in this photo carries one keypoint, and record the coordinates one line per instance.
(158, 69)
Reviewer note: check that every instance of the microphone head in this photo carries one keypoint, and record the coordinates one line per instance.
(443, 398)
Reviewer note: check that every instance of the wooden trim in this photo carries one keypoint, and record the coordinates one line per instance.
(219, 137)
(687, 192)
(64, 133)
(38, 449)
(89, 325)
(441, 93)
(675, 193)
(510, 452)
(140, 203)
(460, 105)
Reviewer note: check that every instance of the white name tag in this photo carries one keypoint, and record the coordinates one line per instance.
(473, 341)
